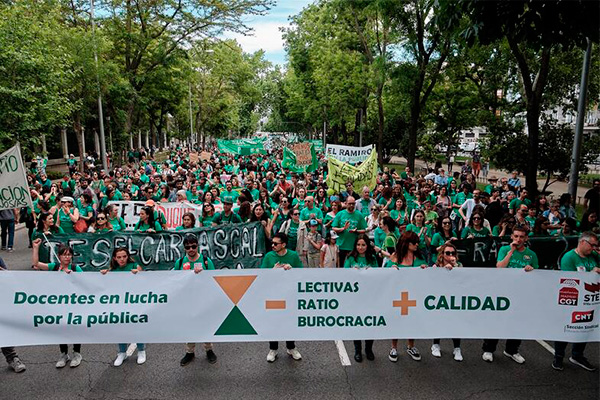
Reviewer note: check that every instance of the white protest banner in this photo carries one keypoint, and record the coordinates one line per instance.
(130, 212)
(14, 190)
(299, 304)
(348, 154)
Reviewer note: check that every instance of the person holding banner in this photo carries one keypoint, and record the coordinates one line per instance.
(583, 258)
(188, 221)
(196, 261)
(447, 258)
(348, 224)
(515, 255)
(45, 226)
(101, 225)
(407, 254)
(227, 216)
(281, 257)
(121, 261)
(65, 257)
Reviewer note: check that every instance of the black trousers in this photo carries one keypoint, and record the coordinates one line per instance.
(512, 345)
(64, 348)
(343, 255)
(561, 347)
(456, 342)
(368, 346)
(288, 344)
(9, 353)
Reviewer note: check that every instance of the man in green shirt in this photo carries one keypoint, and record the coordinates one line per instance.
(193, 260)
(227, 216)
(310, 211)
(515, 255)
(229, 192)
(583, 258)
(348, 224)
(281, 257)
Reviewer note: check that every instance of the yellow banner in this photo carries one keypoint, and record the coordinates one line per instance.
(341, 173)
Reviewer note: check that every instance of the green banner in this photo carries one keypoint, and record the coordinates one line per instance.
(318, 144)
(483, 252)
(301, 157)
(228, 246)
(242, 147)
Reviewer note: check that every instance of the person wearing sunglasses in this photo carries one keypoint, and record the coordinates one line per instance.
(515, 255)
(196, 261)
(444, 235)
(281, 257)
(583, 258)
(296, 232)
(475, 228)
(101, 225)
(447, 258)
(348, 224)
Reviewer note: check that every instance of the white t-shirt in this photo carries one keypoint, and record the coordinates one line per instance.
(331, 255)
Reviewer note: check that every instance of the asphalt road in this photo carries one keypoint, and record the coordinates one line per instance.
(242, 371)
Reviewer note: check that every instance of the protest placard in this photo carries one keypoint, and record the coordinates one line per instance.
(14, 190)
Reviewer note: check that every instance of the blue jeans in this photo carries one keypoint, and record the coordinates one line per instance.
(123, 347)
(8, 228)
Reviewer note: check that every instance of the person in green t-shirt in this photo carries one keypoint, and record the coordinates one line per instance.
(117, 222)
(188, 221)
(64, 264)
(583, 258)
(147, 222)
(475, 228)
(281, 257)
(121, 261)
(197, 262)
(348, 224)
(515, 255)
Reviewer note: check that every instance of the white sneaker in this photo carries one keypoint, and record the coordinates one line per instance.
(487, 356)
(516, 357)
(76, 360)
(457, 354)
(141, 357)
(295, 354)
(62, 361)
(272, 356)
(120, 358)
(436, 351)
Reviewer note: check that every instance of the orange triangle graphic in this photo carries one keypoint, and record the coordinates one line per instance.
(235, 286)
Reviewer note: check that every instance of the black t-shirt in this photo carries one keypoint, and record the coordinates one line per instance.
(593, 197)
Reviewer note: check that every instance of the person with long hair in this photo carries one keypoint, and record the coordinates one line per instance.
(399, 213)
(121, 261)
(45, 226)
(101, 224)
(475, 228)
(208, 214)
(407, 254)
(117, 222)
(330, 252)
(64, 264)
(505, 226)
(188, 221)
(540, 227)
(388, 225)
(421, 230)
(362, 256)
(589, 222)
(147, 222)
(245, 210)
(328, 218)
(444, 235)
(447, 258)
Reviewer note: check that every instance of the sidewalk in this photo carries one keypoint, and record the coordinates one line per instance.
(557, 188)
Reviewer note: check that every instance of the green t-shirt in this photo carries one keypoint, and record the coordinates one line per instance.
(390, 242)
(516, 203)
(401, 213)
(126, 268)
(360, 262)
(572, 261)
(293, 235)
(519, 259)
(438, 239)
(141, 227)
(222, 219)
(346, 238)
(55, 267)
(290, 257)
(38, 235)
(65, 222)
(379, 236)
(469, 230)
(306, 213)
(184, 263)
(417, 230)
(365, 205)
(118, 224)
(416, 263)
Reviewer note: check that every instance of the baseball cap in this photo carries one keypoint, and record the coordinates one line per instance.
(313, 222)
(150, 203)
(333, 235)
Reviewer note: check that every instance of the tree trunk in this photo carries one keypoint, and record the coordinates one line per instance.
(415, 112)
(533, 129)
(344, 133)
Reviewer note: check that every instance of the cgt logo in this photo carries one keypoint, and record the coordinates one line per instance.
(579, 317)
(569, 282)
(568, 296)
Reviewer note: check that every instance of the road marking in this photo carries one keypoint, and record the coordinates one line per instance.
(131, 349)
(546, 346)
(344, 359)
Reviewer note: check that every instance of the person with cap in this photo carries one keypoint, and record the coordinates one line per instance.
(313, 244)
(330, 252)
(196, 261)
(493, 180)
(227, 216)
(281, 257)
(67, 214)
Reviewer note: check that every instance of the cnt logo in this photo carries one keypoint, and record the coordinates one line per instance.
(579, 317)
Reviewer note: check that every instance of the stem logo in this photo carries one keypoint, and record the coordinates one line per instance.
(592, 297)
(235, 287)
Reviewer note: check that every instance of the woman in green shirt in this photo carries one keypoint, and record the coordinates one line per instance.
(64, 264)
(475, 229)
(121, 261)
(422, 231)
(67, 214)
(407, 254)
(101, 225)
(84, 205)
(388, 225)
(118, 224)
(208, 214)
(147, 222)
(443, 236)
(45, 226)
(362, 256)
(188, 221)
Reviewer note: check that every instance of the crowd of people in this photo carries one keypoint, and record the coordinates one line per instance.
(406, 220)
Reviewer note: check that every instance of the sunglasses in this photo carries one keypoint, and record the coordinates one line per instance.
(450, 253)
(296, 214)
(101, 218)
(446, 223)
(476, 219)
(192, 246)
(276, 243)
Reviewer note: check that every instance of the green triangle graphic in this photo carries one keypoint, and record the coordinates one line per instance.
(235, 324)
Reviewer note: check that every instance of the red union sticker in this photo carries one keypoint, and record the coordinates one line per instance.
(569, 281)
(568, 296)
(582, 316)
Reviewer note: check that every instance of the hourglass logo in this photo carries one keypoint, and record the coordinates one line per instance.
(235, 287)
